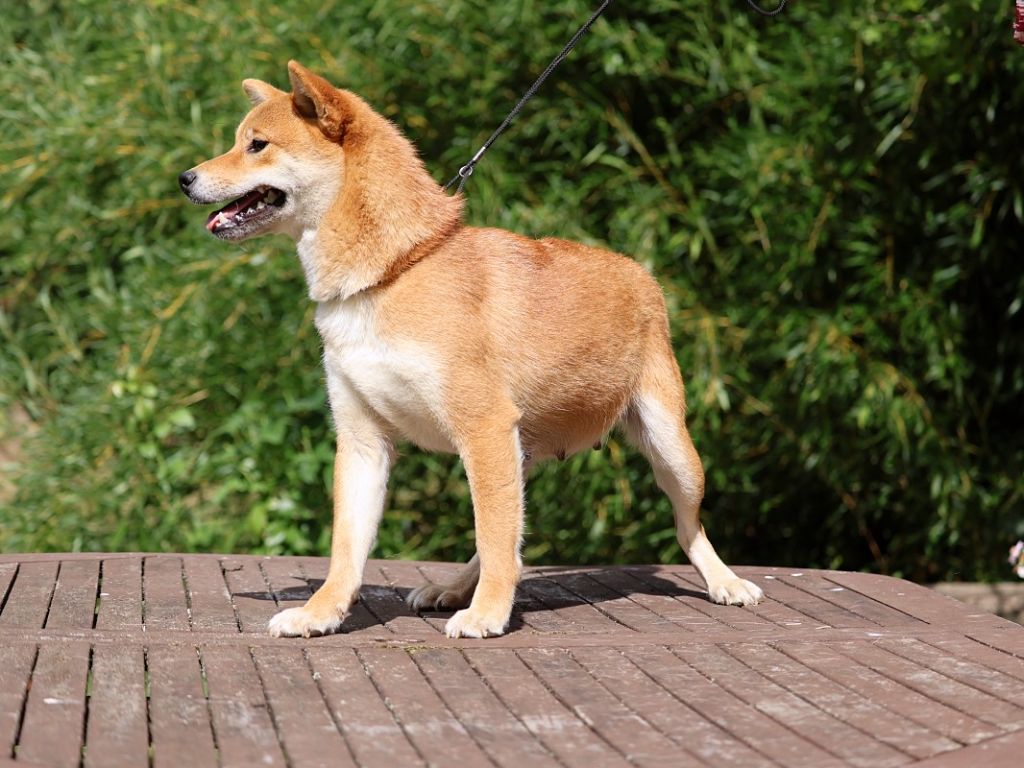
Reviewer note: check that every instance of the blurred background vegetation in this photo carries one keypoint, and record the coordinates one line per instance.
(833, 202)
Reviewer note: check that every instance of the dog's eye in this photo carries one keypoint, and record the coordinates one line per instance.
(257, 145)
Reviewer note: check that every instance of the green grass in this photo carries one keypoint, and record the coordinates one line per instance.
(832, 202)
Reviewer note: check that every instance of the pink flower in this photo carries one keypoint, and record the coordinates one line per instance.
(1016, 558)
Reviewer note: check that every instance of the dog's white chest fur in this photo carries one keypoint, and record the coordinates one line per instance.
(397, 380)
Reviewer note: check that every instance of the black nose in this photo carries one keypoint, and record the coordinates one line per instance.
(186, 179)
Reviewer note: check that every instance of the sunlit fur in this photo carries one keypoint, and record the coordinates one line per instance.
(504, 349)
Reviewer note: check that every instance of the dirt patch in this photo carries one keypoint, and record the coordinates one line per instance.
(15, 426)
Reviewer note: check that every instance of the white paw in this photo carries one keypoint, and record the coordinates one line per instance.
(735, 591)
(431, 596)
(303, 622)
(469, 623)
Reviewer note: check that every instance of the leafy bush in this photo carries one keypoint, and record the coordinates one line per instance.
(832, 202)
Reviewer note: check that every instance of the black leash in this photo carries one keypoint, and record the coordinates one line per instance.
(467, 170)
(774, 12)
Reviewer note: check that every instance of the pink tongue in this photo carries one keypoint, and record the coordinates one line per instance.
(234, 208)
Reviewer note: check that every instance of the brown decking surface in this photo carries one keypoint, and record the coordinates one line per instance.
(130, 660)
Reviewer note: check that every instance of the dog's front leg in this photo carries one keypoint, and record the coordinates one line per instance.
(361, 468)
(493, 458)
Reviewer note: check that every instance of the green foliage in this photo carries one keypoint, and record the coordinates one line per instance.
(832, 201)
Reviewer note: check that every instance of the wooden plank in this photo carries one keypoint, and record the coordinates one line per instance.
(852, 746)
(120, 594)
(303, 722)
(555, 725)
(7, 573)
(369, 727)
(496, 729)
(613, 603)
(690, 590)
(859, 603)
(633, 736)
(573, 613)
(1003, 661)
(1006, 636)
(1002, 752)
(775, 610)
(967, 671)
(708, 697)
(949, 725)
(671, 613)
(686, 604)
(16, 663)
(239, 710)
(359, 620)
(117, 729)
(163, 587)
(7, 763)
(840, 702)
(534, 614)
(254, 604)
(682, 724)
(385, 599)
(437, 735)
(857, 609)
(287, 582)
(28, 599)
(179, 714)
(52, 730)
(209, 598)
(402, 575)
(917, 601)
(292, 586)
(816, 607)
(957, 695)
(74, 595)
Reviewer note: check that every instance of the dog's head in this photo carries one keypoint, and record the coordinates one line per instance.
(287, 162)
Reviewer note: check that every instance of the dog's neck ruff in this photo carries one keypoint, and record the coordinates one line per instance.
(325, 285)
(382, 214)
(325, 288)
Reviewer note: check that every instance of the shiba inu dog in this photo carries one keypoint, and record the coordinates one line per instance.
(503, 349)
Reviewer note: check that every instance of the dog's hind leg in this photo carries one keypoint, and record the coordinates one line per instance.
(455, 594)
(655, 422)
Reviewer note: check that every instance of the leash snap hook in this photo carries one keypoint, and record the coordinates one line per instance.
(464, 173)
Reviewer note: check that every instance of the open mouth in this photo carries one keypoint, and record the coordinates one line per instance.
(245, 213)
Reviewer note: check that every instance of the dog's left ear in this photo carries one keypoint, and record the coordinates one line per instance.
(315, 98)
(258, 91)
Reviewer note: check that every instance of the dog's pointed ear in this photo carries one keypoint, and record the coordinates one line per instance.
(258, 91)
(316, 99)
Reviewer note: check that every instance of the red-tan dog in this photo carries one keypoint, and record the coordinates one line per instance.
(504, 349)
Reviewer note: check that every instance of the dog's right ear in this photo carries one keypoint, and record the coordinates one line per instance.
(315, 98)
(258, 91)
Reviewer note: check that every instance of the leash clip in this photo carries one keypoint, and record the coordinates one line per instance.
(464, 173)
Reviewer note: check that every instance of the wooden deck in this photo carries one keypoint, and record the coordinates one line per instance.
(131, 660)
